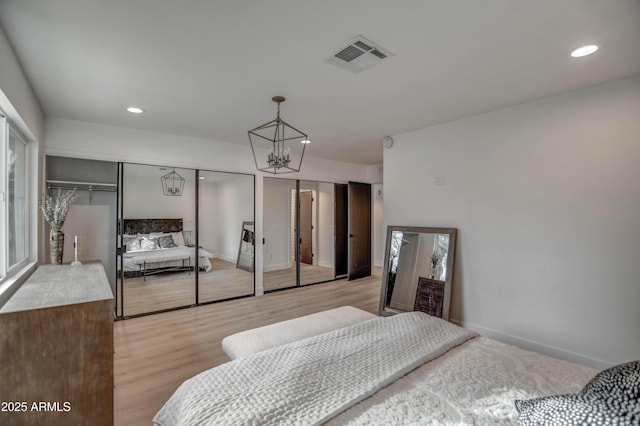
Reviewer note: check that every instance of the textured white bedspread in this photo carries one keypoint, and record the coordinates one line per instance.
(312, 380)
(475, 383)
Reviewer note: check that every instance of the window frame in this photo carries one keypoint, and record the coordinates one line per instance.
(4, 133)
(9, 130)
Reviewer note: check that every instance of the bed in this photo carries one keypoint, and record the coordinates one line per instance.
(156, 246)
(410, 368)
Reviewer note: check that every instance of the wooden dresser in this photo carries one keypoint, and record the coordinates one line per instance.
(56, 349)
(430, 296)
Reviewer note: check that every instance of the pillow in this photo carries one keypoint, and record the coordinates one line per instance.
(131, 242)
(166, 242)
(149, 244)
(157, 234)
(572, 409)
(612, 397)
(178, 238)
(621, 381)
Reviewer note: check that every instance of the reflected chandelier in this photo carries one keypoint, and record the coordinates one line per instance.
(172, 184)
(277, 146)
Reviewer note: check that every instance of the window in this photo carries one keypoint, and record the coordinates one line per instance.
(16, 198)
(14, 234)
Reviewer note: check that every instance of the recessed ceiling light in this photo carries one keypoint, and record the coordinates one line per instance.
(135, 110)
(584, 51)
(201, 177)
(305, 141)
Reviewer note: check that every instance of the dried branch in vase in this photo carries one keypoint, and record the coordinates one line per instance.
(55, 208)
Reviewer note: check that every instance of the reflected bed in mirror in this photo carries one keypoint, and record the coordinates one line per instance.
(418, 270)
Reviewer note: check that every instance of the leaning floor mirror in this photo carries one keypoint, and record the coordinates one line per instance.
(245, 252)
(418, 270)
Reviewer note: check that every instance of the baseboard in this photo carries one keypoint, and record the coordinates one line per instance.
(535, 346)
(225, 258)
(277, 267)
(325, 264)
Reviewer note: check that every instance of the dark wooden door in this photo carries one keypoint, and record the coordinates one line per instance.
(342, 230)
(359, 230)
(306, 227)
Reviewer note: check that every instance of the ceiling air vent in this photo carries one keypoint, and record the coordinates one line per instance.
(358, 55)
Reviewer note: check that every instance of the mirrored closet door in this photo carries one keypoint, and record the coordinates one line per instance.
(159, 264)
(316, 232)
(225, 236)
(279, 219)
(301, 222)
(186, 238)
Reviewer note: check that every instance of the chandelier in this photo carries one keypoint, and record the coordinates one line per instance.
(277, 146)
(172, 184)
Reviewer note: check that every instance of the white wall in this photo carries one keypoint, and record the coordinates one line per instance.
(92, 220)
(96, 239)
(546, 197)
(379, 231)
(16, 97)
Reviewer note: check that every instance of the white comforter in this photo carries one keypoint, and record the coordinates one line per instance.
(169, 257)
(475, 383)
(312, 380)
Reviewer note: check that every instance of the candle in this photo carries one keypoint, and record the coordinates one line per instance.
(75, 250)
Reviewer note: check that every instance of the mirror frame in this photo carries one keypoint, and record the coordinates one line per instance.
(452, 232)
(248, 268)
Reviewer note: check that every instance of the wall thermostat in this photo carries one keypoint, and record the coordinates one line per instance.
(388, 142)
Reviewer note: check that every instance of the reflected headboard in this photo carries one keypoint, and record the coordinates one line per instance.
(146, 226)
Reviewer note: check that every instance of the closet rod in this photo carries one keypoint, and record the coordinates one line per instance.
(82, 186)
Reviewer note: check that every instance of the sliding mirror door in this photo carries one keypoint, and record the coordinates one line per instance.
(299, 233)
(279, 219)
(157, 225)
(225, 236)
(316, 232)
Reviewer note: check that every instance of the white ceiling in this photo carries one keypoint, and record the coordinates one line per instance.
(208, 69)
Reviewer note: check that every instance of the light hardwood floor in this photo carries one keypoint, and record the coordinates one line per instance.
(224, 281)
(156, 353)
(174, 289)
